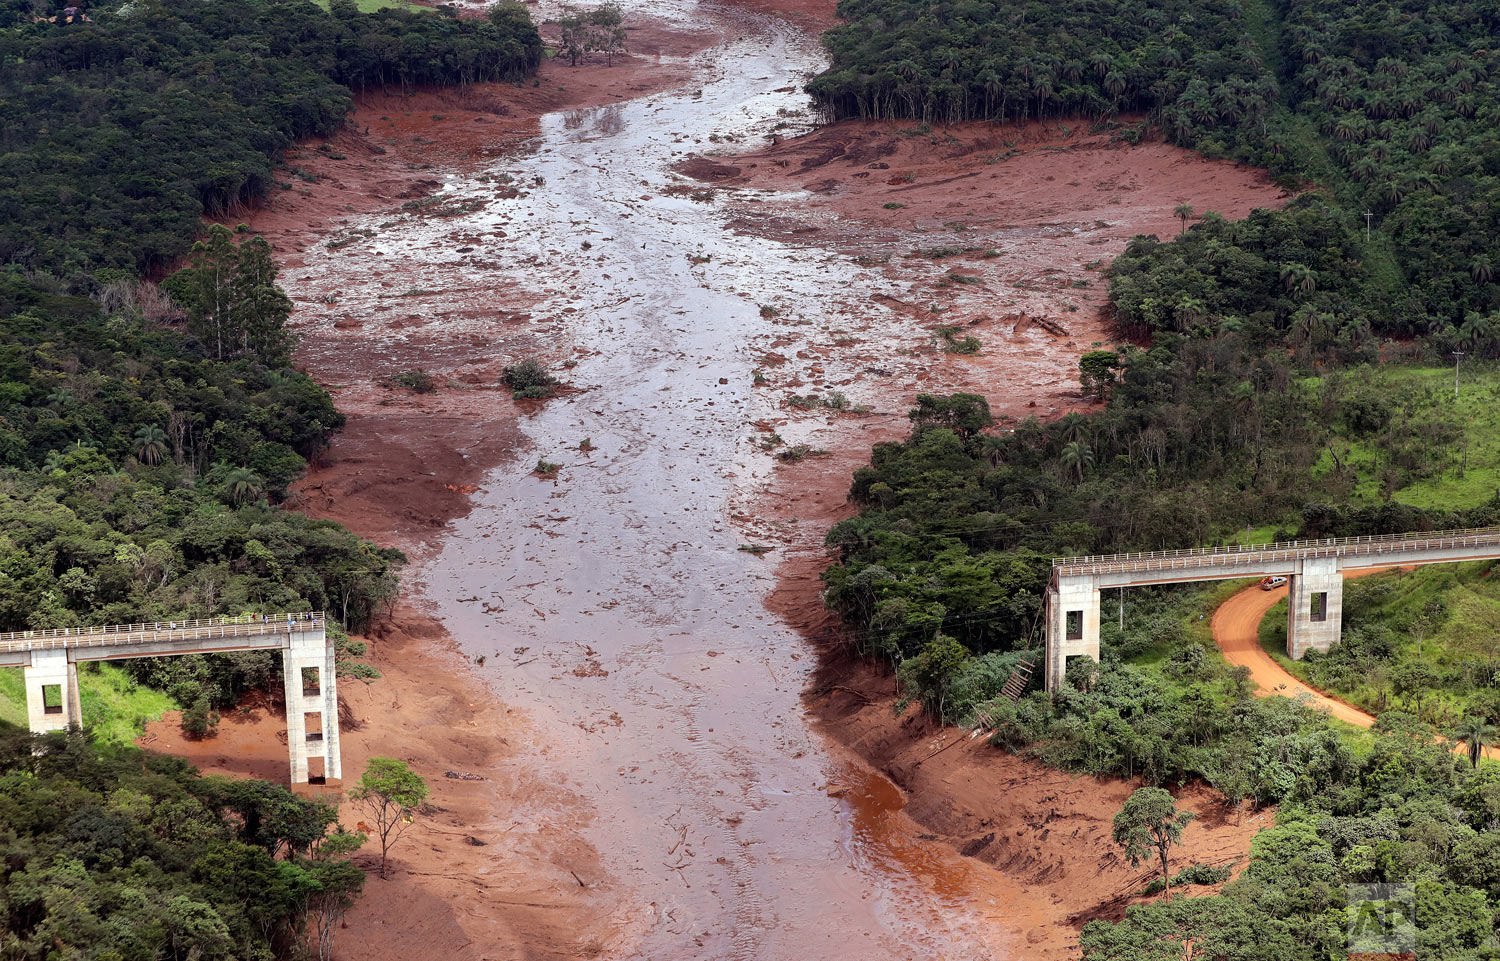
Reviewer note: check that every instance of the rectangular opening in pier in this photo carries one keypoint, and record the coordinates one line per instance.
(313, 723)
(52, 701)
(1320, 606)
(317, 770)
(1073, 629)
(310, 686)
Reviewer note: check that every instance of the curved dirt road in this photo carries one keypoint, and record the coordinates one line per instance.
(1236, 629)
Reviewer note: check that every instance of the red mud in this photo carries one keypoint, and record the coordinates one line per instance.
(489, 870)
(1056, 206)
(404, 466)
(498, 868)
(1000, 233)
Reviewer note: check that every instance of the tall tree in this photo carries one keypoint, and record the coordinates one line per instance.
(1476, 732)
(1150, 824)
(1183, 212)
(259, 307)
(390, 793)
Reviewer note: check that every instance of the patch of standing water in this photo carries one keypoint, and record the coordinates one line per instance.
(613, 599)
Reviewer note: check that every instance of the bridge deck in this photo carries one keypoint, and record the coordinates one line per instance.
(1209, 563)
(208, 630)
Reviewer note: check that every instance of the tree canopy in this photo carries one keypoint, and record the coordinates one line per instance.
(122, 132)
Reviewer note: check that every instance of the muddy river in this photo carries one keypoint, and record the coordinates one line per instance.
(613, 601)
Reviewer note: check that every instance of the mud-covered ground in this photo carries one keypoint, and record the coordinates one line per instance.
(739, 311)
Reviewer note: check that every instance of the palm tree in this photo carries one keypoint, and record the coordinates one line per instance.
(993, 447)
(1299, 277)
(1183, 212)
(1476, 331)
(1475, 731)
(1482, 270)
(1075, 426)
(1309, 325)
(1076, 457)
(1189, 311)
(243, 484)
(150, 445)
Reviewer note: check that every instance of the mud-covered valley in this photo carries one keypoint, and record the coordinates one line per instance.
(609, 672)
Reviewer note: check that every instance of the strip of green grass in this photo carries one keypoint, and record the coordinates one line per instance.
(115, 708)
(370, 6)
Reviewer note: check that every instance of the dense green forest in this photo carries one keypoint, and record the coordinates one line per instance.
(123, 132)
(109, 853)
(1389, 107)
(147, 432)
(150, 423)
(1262, 397)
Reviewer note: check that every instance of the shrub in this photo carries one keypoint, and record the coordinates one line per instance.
(417, 381)
(529, 380)
(200, 719)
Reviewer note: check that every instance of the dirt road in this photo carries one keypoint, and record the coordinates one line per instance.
(1236, 627)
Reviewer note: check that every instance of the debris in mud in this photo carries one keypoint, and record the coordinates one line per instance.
(464, 776)
(1023, 321)
(476, 842)
(591, 668)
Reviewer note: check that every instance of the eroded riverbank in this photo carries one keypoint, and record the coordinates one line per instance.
(646, 721)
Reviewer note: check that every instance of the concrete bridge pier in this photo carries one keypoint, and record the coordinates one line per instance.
(51, 680)
(312, 706)
(1072, 624)
(1315, 606)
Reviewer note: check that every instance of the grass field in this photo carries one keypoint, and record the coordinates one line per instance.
(115, 708)
(370, 6)
(1436, 451)
(1446, 617)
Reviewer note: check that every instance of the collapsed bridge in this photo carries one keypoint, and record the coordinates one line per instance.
(49, 660)
(1314, 569)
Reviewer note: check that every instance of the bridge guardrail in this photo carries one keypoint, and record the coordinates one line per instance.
(153, 631)
(1201, 557)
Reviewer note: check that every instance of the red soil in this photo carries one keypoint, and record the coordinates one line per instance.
(498, 867)
(489, 870)
(1057, 207)
(402, 469)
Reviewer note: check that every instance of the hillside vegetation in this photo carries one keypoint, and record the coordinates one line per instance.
(1390, 107)
(106, 853)
(122, 133)
(1298, 382)
(147, 435)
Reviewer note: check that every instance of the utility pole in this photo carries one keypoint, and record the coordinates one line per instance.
(1458, 355)
(1122, 608)
(1368, 215)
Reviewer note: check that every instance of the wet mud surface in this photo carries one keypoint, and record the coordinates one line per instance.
(621, 648)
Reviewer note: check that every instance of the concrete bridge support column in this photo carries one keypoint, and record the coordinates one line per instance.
(1315, 607)
(52, 691)
(312, 705)
(1072, 625)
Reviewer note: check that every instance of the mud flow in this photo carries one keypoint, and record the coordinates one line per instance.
(613, 599)
(619, 598)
